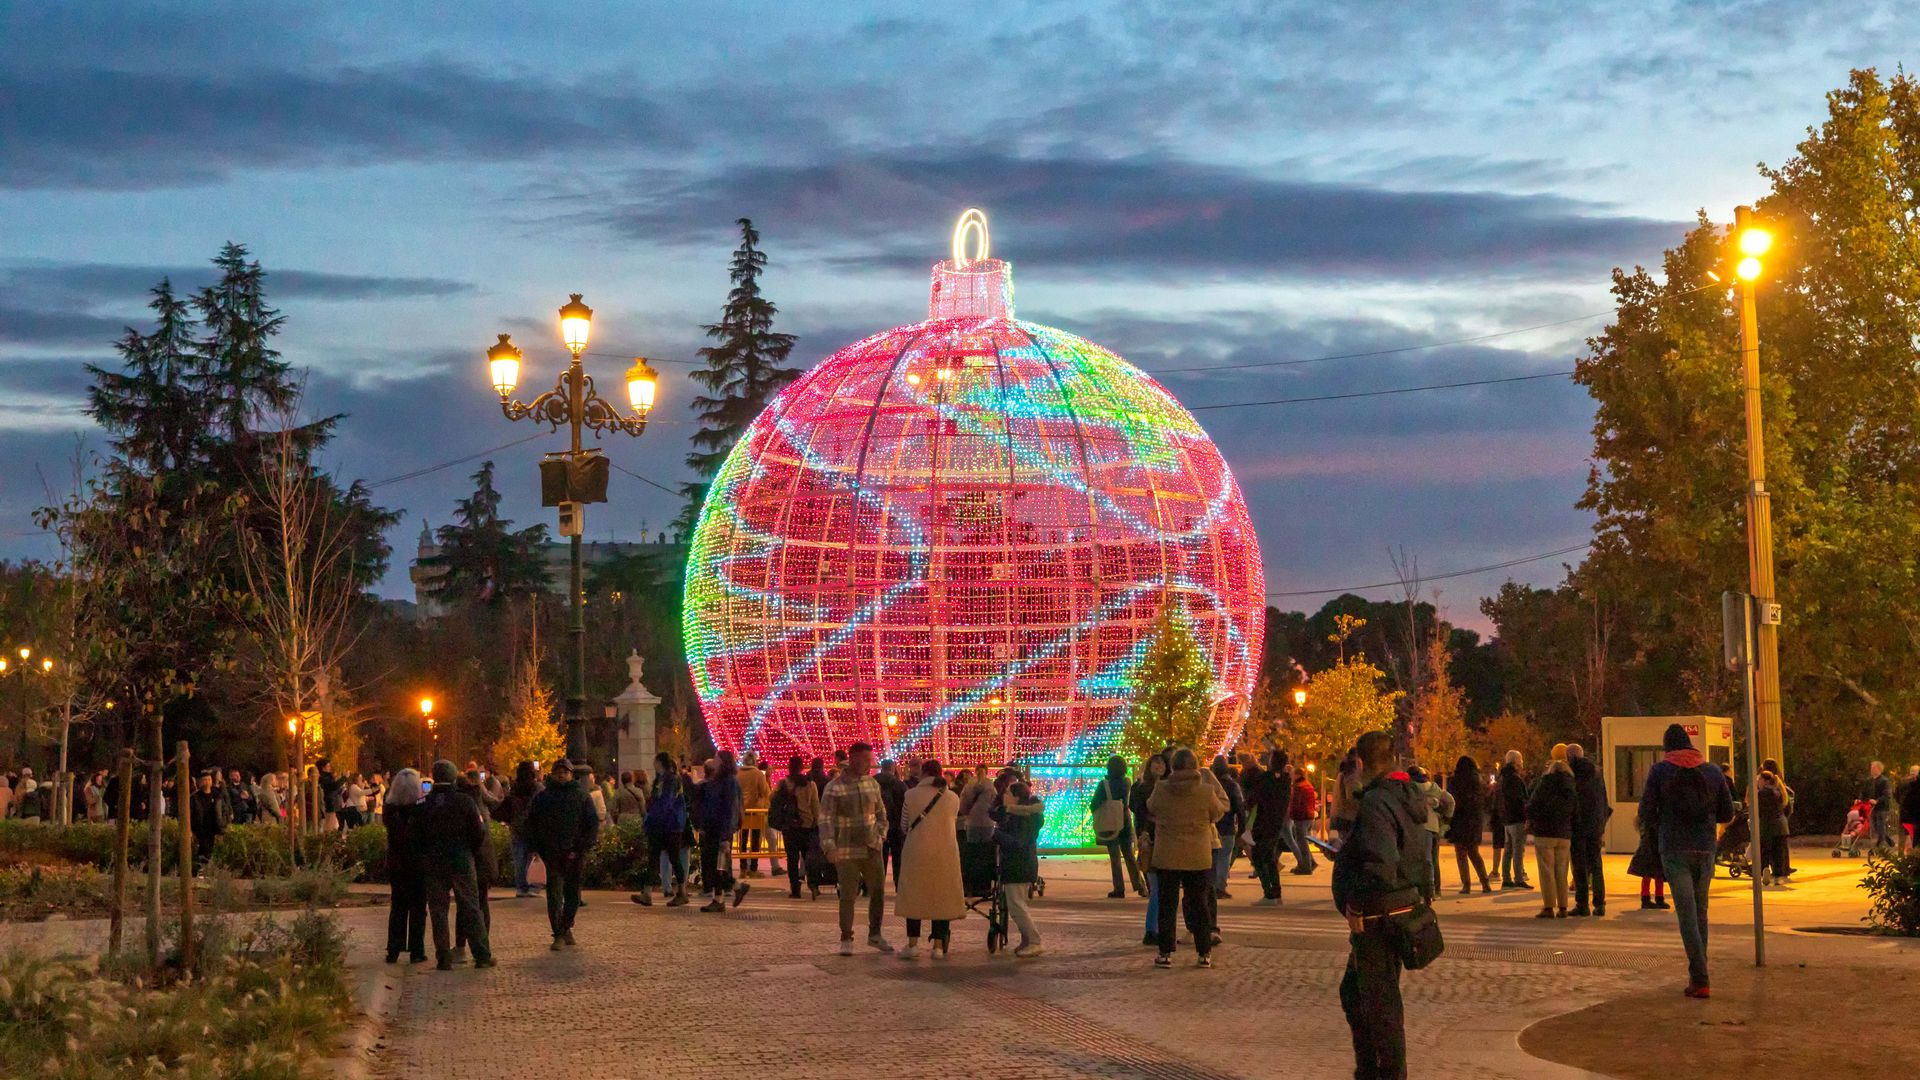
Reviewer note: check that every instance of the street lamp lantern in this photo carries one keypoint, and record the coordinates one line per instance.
(1751, 241)
(47, 664)
(1300, 698)
(426, 706)
(25, 652)
(503, 362)
(642, 381)
(1755, 241)
(575, 404)
(576, 319)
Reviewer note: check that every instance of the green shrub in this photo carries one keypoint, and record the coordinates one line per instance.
(1893, 881)
(252, 851)
(267, 1004)
(85, 843)
(619, 859)
(366, 847)
(323, 886)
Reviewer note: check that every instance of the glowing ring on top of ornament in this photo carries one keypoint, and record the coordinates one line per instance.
(956, 539)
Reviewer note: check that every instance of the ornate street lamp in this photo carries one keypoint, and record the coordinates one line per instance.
(578, 474)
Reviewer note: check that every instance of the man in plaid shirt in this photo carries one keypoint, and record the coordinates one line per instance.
(853, 833)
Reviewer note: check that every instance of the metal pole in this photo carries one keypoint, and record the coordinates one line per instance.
(1766, 638)
(577, 696)
(123, 827)
(1753, 798)
(64, 792)
(183, 790)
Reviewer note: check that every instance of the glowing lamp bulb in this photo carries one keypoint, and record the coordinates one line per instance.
(3, 665)
(1311, 767)
(292, 725)
(25, 652)
(426, 706)
(1755, 241)
(1747, 269)
(46, 665)
(1300, 698)
(503, 362)
(575, 320)
(642, 381)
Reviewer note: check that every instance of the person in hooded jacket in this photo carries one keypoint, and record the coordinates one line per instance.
(1591, 810)
(1551, 811)
(1512, 793)
(1469, 821)
(1439, 814)
(666, 827)
(406, 870)
(716, 817)
(1186, 807)
(452, 832)
(1231, 825)
(1684, 800)
(1379, 876)
(562, 826)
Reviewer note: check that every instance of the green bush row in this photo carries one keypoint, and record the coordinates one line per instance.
(85, 843)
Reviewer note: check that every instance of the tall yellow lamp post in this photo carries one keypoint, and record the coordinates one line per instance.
(1751, 242)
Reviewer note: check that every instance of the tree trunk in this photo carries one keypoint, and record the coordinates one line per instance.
(156, 819)
(183, 787)
(122, 830)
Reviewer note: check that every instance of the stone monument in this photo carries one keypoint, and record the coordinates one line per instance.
(634, 743)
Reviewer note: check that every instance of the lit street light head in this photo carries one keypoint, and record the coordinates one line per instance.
(1755, 241)
(575, 320)
(1747, 269)
(503, 363)
(642, 381)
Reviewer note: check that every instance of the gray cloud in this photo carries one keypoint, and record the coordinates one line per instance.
(117, 129)
(120, 282)
(47, 326)
(1151, 214)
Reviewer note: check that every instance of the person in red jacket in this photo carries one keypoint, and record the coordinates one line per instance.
(1301, 812)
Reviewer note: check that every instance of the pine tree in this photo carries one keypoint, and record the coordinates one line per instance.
(486, 561)
(744, 371)
(1174, 700)
(527, 730)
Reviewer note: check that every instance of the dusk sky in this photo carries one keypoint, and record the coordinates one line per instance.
(1190, 185)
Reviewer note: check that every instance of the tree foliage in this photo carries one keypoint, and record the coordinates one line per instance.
(1439, 729)
(485, 560)
(1344, 701)
(744, 370)
(1839, 309)
(527, 729)
(1511, 731)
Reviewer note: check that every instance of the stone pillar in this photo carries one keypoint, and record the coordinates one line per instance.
(634, 745)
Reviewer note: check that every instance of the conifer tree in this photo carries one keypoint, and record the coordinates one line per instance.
(486, 560)
(744, 370)
(1174, 700)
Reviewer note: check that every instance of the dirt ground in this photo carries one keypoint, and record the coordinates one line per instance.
(1783, 1021)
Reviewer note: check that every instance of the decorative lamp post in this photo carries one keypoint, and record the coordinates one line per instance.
(578, 475)
(1752, 241)
(429, 729)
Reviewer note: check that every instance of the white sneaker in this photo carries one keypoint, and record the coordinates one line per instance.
(911, 952)
(1028, 951)
(875, 941)
(1266, 901)
(846, 948)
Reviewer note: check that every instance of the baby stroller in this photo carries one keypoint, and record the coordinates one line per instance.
(1857, 836)
(980, 876)
(1732, 851)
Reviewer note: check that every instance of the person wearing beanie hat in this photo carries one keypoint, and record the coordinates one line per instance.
(562, 826)
(1685, 797)
(452, 831)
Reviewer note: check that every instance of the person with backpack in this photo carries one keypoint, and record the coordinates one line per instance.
(1113, 825)
(562, 826)
(1380, 875)
(794, 813)
(1019, 819)
(1684, 799)
(1269, 794)
(666, 827)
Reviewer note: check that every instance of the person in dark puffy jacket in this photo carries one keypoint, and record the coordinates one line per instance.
(1380, 875)
(1550, 815)
(512, 812)
(715, 807)
(1591, 811)
(1269, 794)
(1469, 821)
(452, 832)
(406, 870)
(1511, 791)
(562, 826)
(1685, 798)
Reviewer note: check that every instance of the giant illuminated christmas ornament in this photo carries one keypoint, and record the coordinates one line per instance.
(953, 538)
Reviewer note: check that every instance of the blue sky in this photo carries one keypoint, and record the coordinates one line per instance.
(1189, 185)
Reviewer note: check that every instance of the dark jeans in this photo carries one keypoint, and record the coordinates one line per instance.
(942, 930)
(753, 841)
(1773, 851)
(1121, 847)
(799, 841)
(715, 878)
(1197, 885)
(480, 890)
(1370, 996)
(454, 874)
(1881, 837)
(1266, 863)
(563, 890)
(1589, 872)
(407, 916)
(1302, 848)
(895, 842)
(1463, 854)
(670, 845)
(1689, 875)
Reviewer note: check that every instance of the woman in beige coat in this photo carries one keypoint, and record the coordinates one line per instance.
(1185, 805)
(930, 862)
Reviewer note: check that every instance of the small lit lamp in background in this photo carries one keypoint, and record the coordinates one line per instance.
(1300, 698)
(430, 729)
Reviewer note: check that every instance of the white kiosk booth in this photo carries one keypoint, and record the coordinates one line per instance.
(1629, 745)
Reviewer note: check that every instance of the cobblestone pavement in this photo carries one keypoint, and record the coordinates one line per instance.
(759, 990)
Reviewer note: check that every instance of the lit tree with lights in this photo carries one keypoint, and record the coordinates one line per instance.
(1176, 690)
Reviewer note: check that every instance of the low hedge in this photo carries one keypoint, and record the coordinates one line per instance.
(87, 843)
